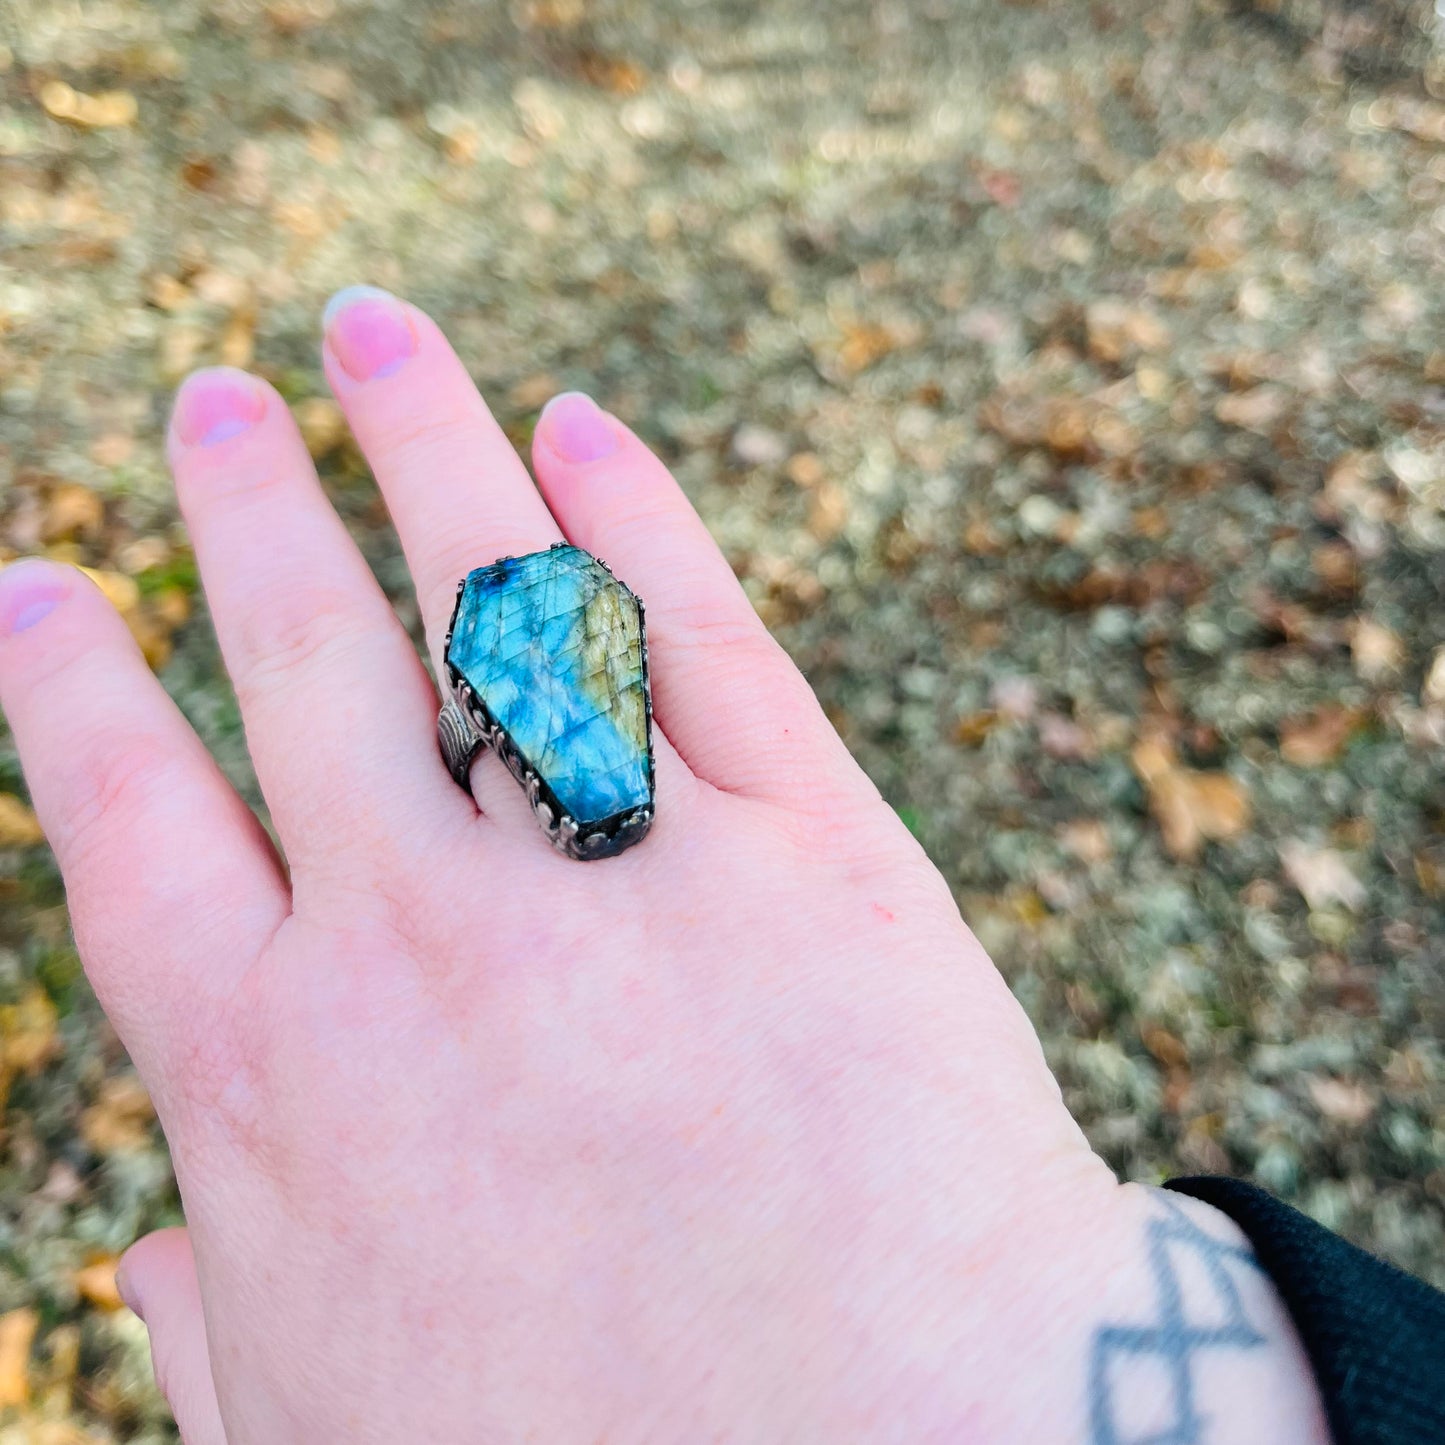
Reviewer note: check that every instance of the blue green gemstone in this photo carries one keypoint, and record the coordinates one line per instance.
(551, 644)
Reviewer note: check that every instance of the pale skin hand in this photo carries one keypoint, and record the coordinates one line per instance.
(737, 1137)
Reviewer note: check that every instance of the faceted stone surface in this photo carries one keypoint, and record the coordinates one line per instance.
(552, 644)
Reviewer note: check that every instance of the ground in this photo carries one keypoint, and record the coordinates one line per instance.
(1063, 380)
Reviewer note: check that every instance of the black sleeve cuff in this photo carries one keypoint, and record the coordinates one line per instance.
(1375, 1336)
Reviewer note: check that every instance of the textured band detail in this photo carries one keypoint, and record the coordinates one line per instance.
(460, 742)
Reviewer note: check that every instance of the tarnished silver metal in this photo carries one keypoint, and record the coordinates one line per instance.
(461, 742)
(465, 727)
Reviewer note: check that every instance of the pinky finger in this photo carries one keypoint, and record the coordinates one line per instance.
(172, 883)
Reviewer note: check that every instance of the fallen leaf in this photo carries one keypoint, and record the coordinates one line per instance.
(805, 470)
(167, 292)
(612, 72)
(292, 17)
(122, 592)
(238, 338)
(19, 827)
(1430, 875)
(28, 1039)
(96, 1283)
(56, 1379)
(1189, 806)
(1322, 876)
(181, 345)
(1341, 1100)
(1377, 652)
(70, 511)
(112, 449)
(322, 424)
(862, 345)
(108, 110)
(1168, 1048)
(1320, 737)
(971, 730)
(1256, 410)
(1068, 428)
(1432, 690)
(1337, 567)
(553, 14)
(150, 623)
(35, 1430)
(1087, 839)
(1118, 332)
(119, 1120)
(827, 511)
(17, 1334)
(532, 393)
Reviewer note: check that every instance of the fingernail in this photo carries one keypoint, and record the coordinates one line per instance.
(29, 593)
(370, 332)
(578, 428)
(214, 406)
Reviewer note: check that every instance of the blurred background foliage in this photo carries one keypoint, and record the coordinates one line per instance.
(1064, 381)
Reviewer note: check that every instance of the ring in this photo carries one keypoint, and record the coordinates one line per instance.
(546, 657)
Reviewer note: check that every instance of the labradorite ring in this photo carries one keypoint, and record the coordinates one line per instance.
(546, 660)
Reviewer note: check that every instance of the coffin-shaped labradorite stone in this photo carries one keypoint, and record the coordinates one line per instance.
(552, 645)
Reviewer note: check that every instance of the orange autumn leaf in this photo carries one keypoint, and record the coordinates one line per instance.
(96, 1283)
(1319, 737)
(1189, 806)
(108, 110)
(19, 827)
(17, 1334)
(119, 1120)
(28, 1037)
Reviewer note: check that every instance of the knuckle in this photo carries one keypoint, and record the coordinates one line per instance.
(112, 783)
(244, 486)
(426, 438)
(731, 640)
(293, 629)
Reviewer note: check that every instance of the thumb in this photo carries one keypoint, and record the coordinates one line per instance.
(157, 1279)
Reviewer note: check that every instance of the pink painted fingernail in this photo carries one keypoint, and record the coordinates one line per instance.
(215, 405)
(30, 591)
(370, 332)
(578, 428)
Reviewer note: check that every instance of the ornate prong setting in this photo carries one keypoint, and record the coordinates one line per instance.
(467, 723)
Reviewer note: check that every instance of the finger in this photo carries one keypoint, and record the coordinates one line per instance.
(173, 886)
(157, 1280)
(731, 700)
(456, 488)
(340, 715)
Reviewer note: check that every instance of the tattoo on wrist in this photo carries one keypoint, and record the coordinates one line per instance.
(1178, 1333)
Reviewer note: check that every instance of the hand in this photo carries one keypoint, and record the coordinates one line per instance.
(737, 1137)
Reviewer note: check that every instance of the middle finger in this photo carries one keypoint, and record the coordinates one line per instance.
(456, 489)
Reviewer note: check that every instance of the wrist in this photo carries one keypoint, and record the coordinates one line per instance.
(1168, 1329)
(1113, 1315)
